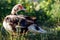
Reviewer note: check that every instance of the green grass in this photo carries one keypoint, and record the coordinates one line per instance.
(55, 35)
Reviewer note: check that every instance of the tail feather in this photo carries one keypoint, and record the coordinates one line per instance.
(32, 28)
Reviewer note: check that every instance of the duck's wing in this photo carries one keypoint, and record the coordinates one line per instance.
(33, 28)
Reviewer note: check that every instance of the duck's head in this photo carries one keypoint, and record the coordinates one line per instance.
(17, 8)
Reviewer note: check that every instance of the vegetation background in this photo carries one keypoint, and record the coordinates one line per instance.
(46, 11)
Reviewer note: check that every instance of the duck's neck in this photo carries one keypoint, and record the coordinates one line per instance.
(14, 12)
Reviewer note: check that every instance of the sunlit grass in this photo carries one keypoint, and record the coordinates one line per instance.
(0, 24)
(31, 36)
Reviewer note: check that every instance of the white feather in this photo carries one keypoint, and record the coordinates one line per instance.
(7, 27)
(31, 28)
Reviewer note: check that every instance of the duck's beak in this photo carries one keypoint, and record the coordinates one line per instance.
(23, 9)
